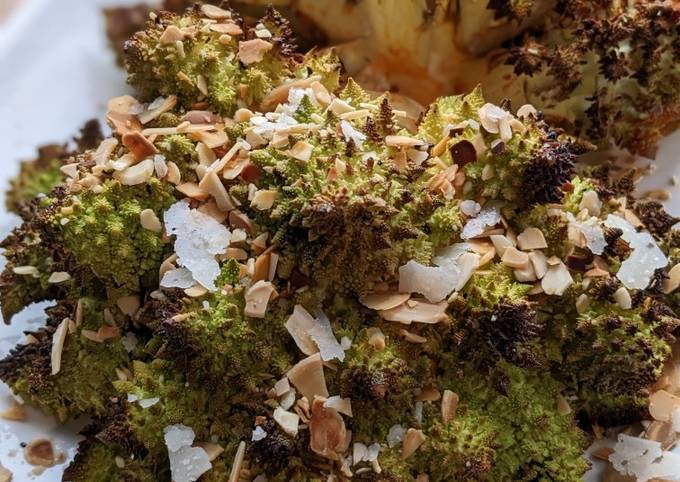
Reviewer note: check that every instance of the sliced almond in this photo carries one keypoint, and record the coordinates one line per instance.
(229, 28)
(158, 107)
(403, 141)
(174, 175)
(341, 404)
(530, 239)
(237, 464)
(105, 151)
(412, 440)
(662, 404)
(139, 146)
(14, 412)
(384, 300)
(264, 199)
(308, 377)
(376, 338)
(40, 452)
(563, 407)
(257, 298)
(590, 201)
(279, 94)
(416, 311)
(412, 337)
(121, 114)
(525, 274)
(129, 305)
(58, 339)
(213, 185)
(192, 190)
(59, 277)
(582, 303)
(556, 280)
(212, 140)
(137, 174)
(622, 298)
(252, 51)
(288, 421)
(326, 429)
(214, 12)
(673, 281)
(539, 263)
(449, 405)
(149, 221)
(514, 258)
(261, 267)
(301, 151)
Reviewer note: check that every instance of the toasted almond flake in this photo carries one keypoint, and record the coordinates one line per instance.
(139, 146)
(71, 170)
(237, 464)
(264, 199)
(376, 338)
(192, 190)
(157, 108)
(539, 263)
(412, 440)
(59, 277)
(279, 94)
(673, 281)
(129, 305)
(416, 311)
(403, 141)
(106, 332)
(252, 51)
(525, 274)
(137, 174)
(40, 452)
(216, 13)
(623, 299)
(514, 258)
(308, 377)
(302, 151)
(412, 337)
(5, 474)
(174, 176)
(591, 203)
(105, 151)
(202, 85)
(229, 28)
(212, 449)
(239, 220)
(501, 243)
(328, 434)
(429, 394)
(212, 140)
(288, 421)
(603, 453)
(121, 114)
(26, 271)
(662, 404)
(15, 412)
(170, 35)
(149, 221)
(342, 405)
(257, 298)
(261, 271)
(526, 110)
(212, 185)
(556, 280)
(530, 239)
(58, 339)
(196, 291)
(449, 405)
(236, 253)
(384, 300)
(582, 303)
(563, 407)
(553, 261)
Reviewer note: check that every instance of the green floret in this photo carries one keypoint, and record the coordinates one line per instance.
(514, 434)
(489, 287)
(83, 385)
(181, 150)
(206, 66)
(39, 176)
(96, 461)
(611, 357)
(528, 168)
(579, 186)
(220, 343)
(104, 233)
(444, 224)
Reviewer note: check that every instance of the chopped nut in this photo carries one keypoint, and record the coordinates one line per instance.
(257, 297)
(193, 190)
(213, 186)
(556, 280)
(449, 405)
(384, 300)
(14, 412)
(662, 404)
(539, 263)
(402, 141)
(129, 305)
(252, 51)
(582, 303)
(174, 176)
(531, 238)
(261, 267)
(40, 452)
(235, 474)
(623, 299)
(591, 203)
(58, 339)
(416, 311)
(216, 13)
(212, 449)
(150, 221)
(327, 430)
(59, 277)
(137, 174)
(514, 258)
(280, 93)
(105, 151)
(229, 28)
(412, 440)
(673, 281)
(412, 337)
(308, 377)
(376, 338)
(264, 199)
(301, 151)
(288, 421)
(139, 146)
(157, 108)
(563, 407)
(429, 394)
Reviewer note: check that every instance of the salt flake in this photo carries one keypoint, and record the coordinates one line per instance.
(591, 231)
(187, 463)
(258, 434)
(322, 334)
(637, 270)
(352, 134)
(644, 459)
(199, 239)
(487, 217)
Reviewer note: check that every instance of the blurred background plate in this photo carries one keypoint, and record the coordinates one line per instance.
(56, 72)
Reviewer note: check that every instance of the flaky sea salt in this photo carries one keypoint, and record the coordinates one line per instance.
(322, 334)
(178, 278)
(199, 239)
(487, 217)
(637, 270)
(470, 208)
(258, 434)
(352, 134)
(187, 463)
(149, 402)
(395, 435)
(129, 341)
(591, 231)
(644, 459)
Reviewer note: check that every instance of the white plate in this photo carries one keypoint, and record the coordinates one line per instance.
(56, 72)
